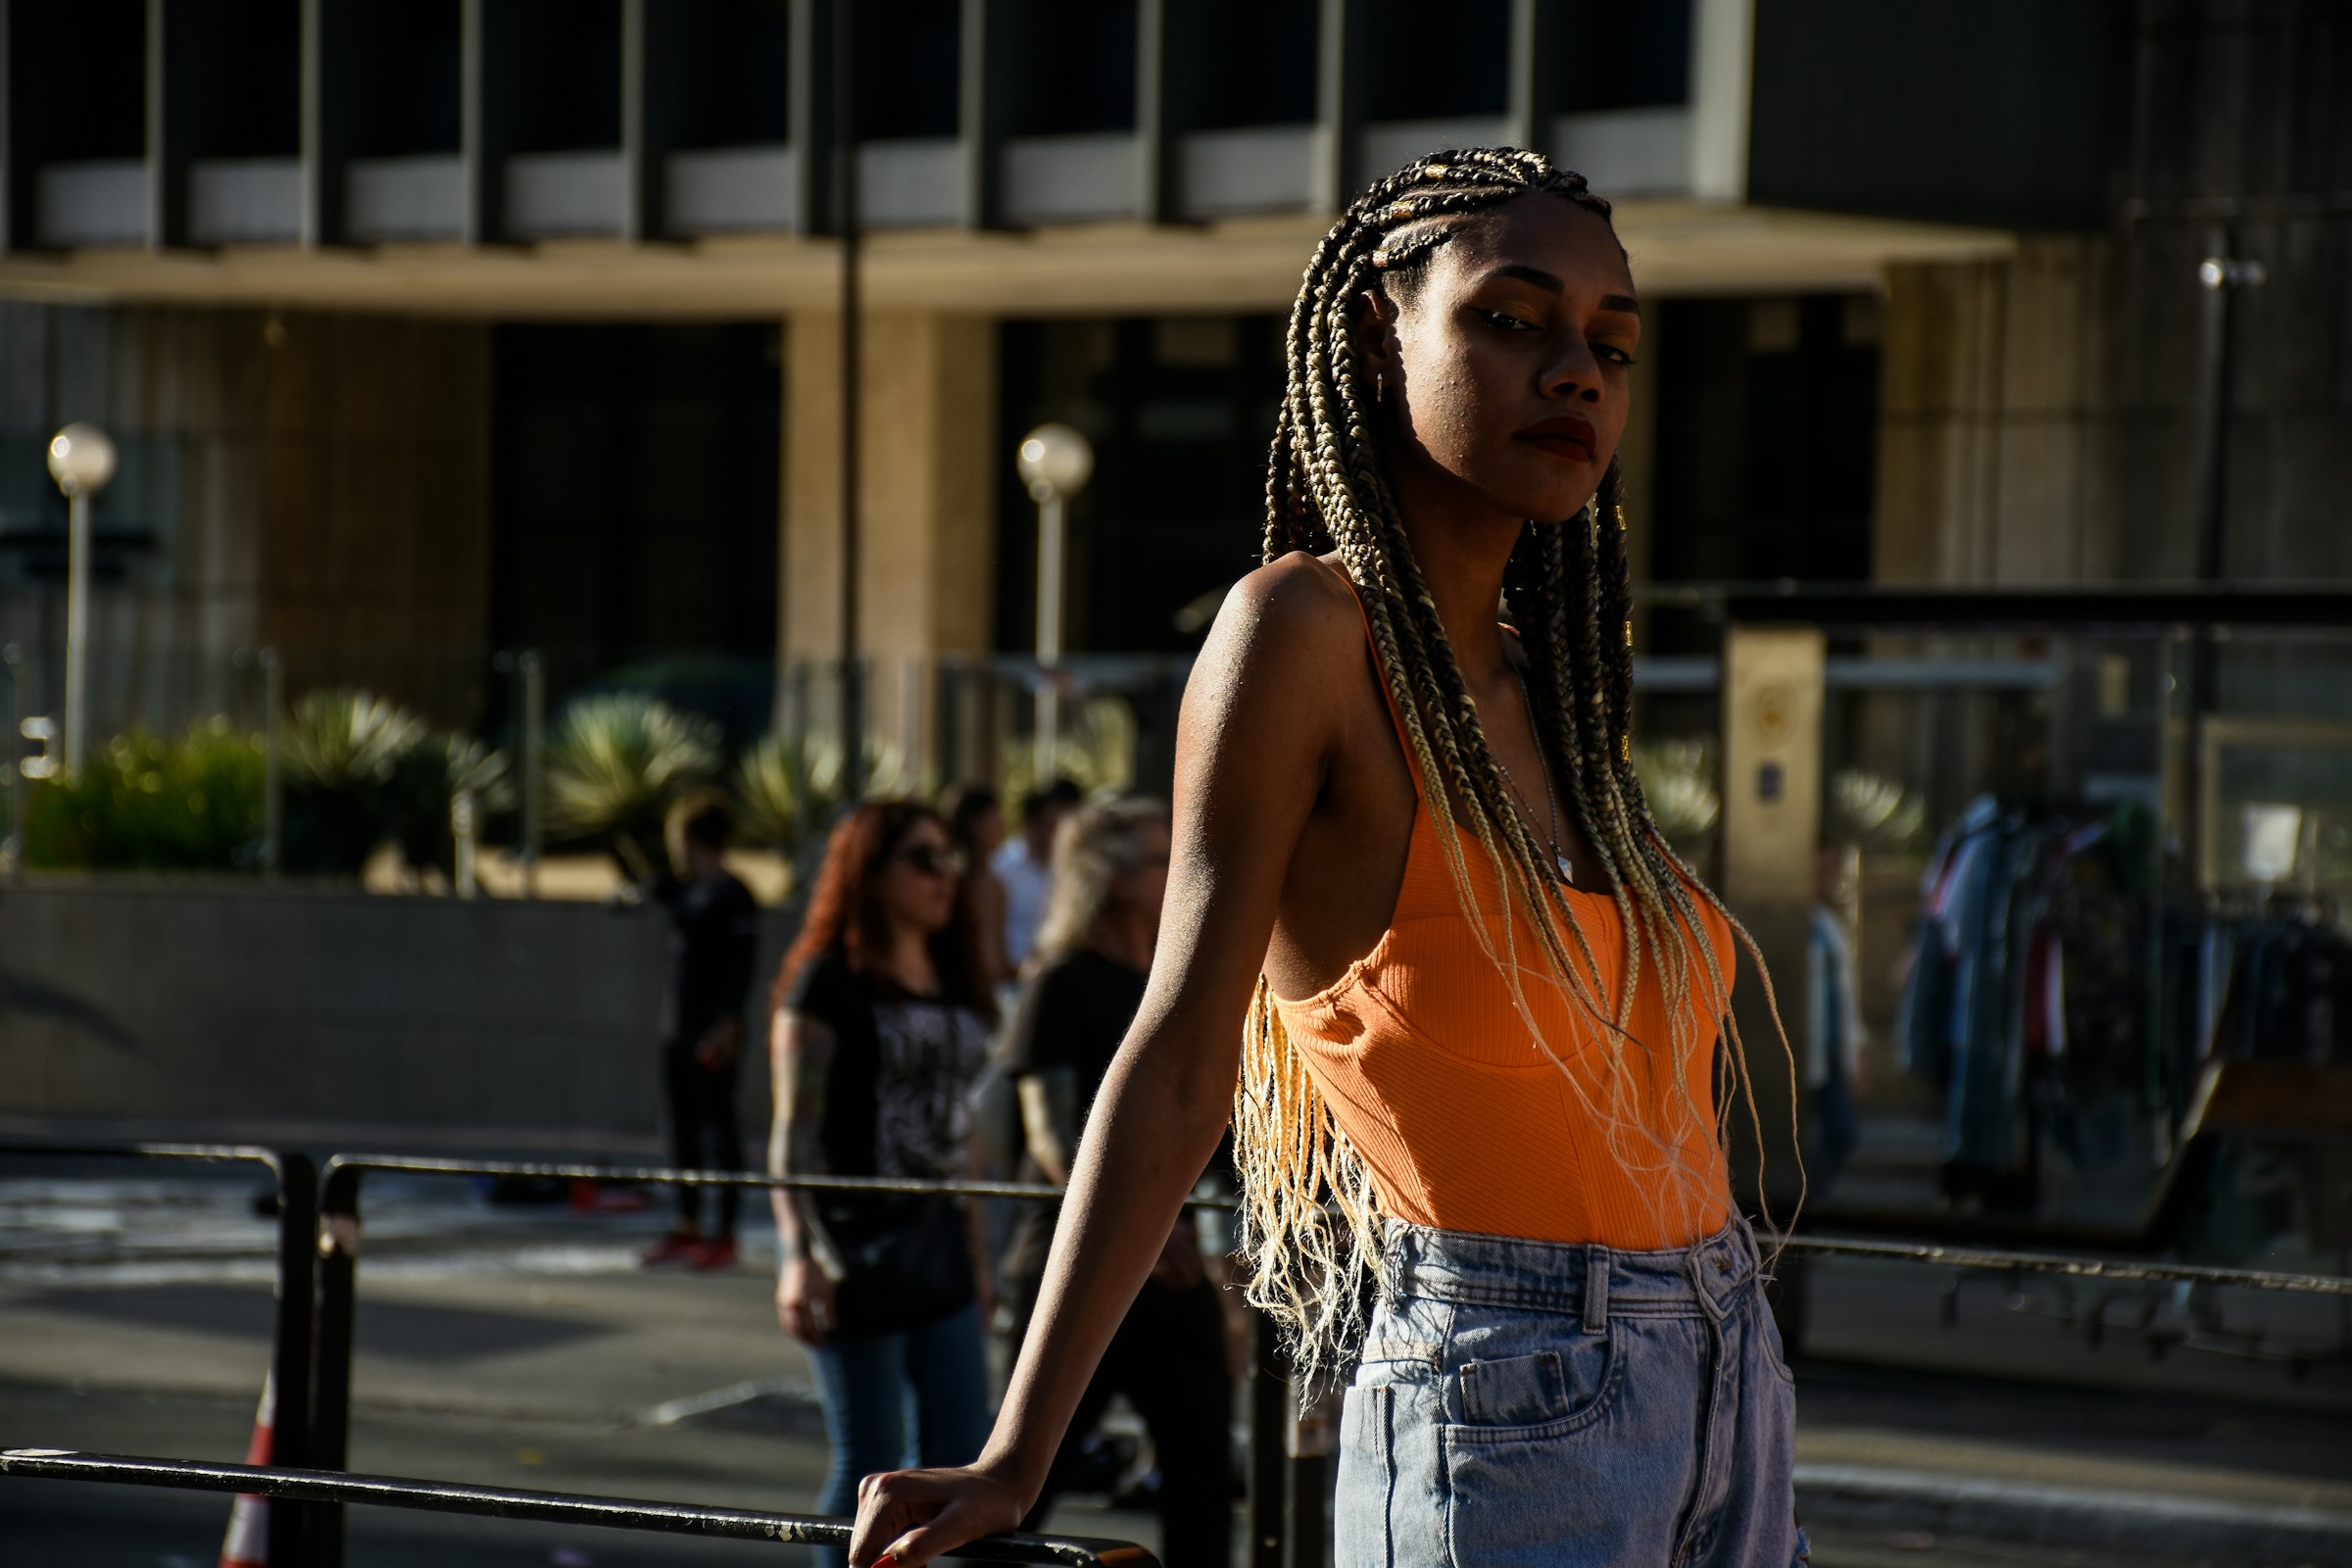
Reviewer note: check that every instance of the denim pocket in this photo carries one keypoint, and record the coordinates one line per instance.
(1546, 1393)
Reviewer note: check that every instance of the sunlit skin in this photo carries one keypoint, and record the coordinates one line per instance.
(1293, 805)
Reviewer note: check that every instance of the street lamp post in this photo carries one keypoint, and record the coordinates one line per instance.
(1055, 462)
(81, 460)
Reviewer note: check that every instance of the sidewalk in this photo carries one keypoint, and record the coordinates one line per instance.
(523, 1347)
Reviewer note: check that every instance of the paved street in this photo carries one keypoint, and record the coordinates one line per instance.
(509, 1346)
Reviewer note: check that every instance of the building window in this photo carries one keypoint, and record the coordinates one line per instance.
(1252, 62)
(1616, 56)
(1767, 444)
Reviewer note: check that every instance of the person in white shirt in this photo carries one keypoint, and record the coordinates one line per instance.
(1025, 864)
(1833, 1031)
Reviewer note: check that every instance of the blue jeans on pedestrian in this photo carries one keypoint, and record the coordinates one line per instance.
(879, 1391)
(1569, 1406)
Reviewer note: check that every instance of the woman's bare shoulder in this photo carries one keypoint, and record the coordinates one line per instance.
(1296, 610)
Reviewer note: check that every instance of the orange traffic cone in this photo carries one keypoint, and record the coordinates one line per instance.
(247, 1543)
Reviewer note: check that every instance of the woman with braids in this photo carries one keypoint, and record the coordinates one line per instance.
(1467, 1012)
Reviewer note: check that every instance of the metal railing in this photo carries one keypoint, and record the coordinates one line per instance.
(337, 1488)
(296, 1179)
(338, 1249)
(319, 1227)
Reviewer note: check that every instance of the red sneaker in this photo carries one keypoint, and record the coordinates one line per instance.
(678, 1247)
(714, 1254)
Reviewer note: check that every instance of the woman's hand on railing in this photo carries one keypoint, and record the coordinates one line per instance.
(908, 1517)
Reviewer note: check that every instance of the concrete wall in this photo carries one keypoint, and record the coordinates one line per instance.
(2040, 410)
(1997, 431)
(333, 1017)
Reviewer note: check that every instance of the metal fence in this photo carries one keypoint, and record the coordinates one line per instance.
(333, 1488)
(318, 1246)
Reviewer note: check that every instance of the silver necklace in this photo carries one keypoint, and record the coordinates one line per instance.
(1551, 801)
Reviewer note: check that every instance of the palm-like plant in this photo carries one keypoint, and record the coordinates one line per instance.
(1678, 776)
(614, 765)
(343, 750)
(426, 782)
(347, 739)
(1095, 748)
(1875, 812)
(775, 801)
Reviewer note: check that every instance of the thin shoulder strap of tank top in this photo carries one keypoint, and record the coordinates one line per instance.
(1380, 679)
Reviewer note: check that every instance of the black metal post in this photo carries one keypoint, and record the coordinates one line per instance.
(290, 1369)
(1310, 1513)
(845, 195)
(1269, 1445)
(337, 1252)
(2220, 276)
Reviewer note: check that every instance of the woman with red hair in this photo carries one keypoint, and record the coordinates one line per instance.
(883, 1018)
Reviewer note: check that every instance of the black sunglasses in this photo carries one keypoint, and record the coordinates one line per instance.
(933, 860)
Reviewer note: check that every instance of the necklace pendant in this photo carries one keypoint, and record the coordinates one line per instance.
(1567, 872)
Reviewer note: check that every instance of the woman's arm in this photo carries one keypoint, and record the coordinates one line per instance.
(1252, 745)
(1048, 1108)
(801, 1060)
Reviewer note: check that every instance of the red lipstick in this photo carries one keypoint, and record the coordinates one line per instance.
(1563, 435)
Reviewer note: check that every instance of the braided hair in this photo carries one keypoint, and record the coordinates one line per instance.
(1310, 1215)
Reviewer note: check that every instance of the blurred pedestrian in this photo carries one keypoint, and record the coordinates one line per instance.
(1025, 864)
(1833, 1031)
(883, 1021)
(975, 819)
(1093, 954)
(713, 935)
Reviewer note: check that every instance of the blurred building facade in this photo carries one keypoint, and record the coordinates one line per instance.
(465, 325)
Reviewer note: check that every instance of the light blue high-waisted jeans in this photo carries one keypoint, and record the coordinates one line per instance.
(1569, 1406)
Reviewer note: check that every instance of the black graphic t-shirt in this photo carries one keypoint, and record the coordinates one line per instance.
(897, 1101)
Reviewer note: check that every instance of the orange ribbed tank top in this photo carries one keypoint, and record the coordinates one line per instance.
(1464, 1121)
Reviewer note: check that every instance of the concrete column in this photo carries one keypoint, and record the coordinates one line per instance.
(1997, 439)
(1772, 792)
(928, 497)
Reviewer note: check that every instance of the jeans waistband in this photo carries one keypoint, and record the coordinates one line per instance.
(1702, 1280)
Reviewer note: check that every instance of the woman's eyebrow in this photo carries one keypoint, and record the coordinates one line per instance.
(1542, 279)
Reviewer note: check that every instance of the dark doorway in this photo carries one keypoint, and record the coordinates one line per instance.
(634, 500)
(1767, 453)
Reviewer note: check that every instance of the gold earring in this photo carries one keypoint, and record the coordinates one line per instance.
(1379, 387)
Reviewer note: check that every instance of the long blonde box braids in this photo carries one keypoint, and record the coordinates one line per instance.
(1310, 1212)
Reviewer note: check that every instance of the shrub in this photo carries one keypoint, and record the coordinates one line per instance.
(614, 765)
(425, 786)
(1094, 746)
(192, 803)
(341, 749)
(1678, 776)
(362, 770)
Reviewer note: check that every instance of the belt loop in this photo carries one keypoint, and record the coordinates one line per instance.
(1596, 1289)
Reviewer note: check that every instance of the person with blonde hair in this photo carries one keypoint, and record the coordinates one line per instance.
(1467, 1011)
(1094, 954)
